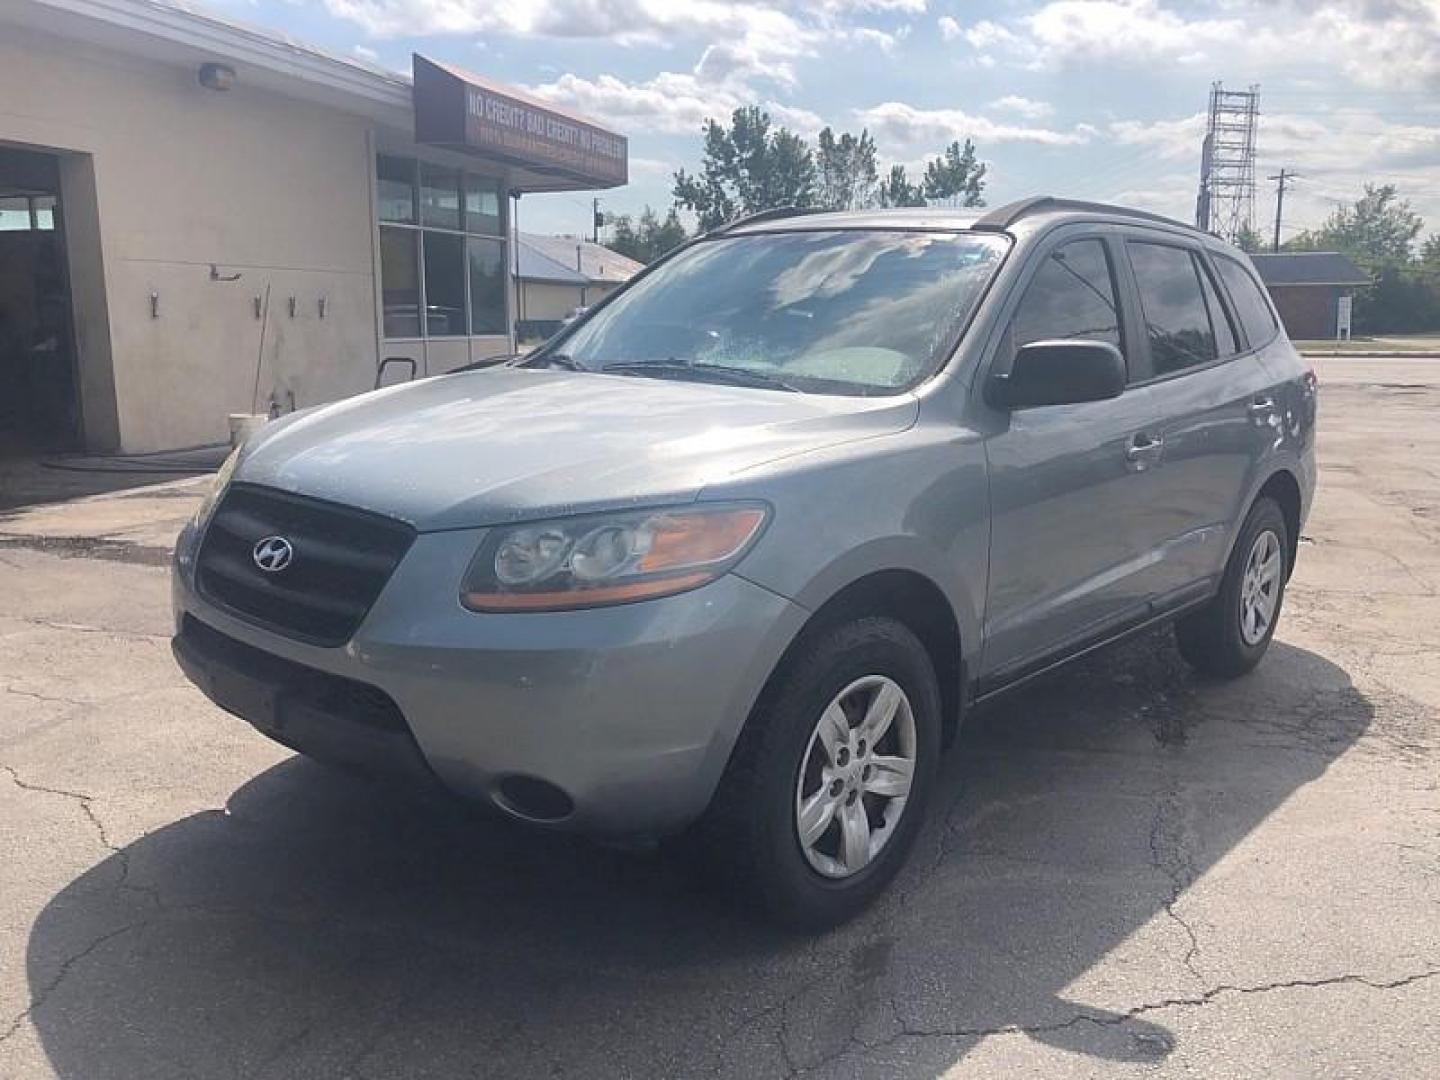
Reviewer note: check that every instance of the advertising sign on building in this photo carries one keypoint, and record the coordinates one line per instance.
(1342, 318)
(462, 111)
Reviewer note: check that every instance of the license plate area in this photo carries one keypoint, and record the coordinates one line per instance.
(250, 699)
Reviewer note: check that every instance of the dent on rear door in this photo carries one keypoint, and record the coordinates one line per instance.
(1214, 443)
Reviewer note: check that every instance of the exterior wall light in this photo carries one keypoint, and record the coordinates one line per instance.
(216, 76)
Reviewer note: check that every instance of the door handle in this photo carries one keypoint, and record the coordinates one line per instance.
(1143, 447)
(1262, 406)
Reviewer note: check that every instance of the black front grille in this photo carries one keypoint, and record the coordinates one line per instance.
(341, 560)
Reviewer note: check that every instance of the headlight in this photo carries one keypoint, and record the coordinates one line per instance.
(607, 558)
(217, 487)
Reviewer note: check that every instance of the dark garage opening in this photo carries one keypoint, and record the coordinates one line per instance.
(38, 402)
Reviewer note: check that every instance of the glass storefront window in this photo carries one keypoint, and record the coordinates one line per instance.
(439, 197)
(399, 282)
(428, 263)
(444, 284)
(487, 286)
(482, 205)
(396, 190)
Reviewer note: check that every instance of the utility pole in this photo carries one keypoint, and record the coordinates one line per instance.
(598, 220)
(1285, 177)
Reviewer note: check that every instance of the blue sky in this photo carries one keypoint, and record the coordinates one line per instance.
(1089, 98)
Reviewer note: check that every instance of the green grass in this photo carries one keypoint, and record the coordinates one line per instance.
(1400, 344)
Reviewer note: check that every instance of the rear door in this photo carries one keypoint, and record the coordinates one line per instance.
(1213, 393)
(1070, 485)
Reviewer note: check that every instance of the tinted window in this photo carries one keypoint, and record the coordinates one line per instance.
(444, 284)
(487, 286)
(1072, 295)
(400, 282)
(1173, 305)
(395, 189)
(1225, 339)
(439, 196)
(1250, 304)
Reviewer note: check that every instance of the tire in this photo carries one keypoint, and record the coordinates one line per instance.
(1213, 639)
(750, 833)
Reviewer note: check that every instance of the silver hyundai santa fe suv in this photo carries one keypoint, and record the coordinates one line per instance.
(734, 552)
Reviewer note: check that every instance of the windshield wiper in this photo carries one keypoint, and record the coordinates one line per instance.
(728, 373)
(554, 359)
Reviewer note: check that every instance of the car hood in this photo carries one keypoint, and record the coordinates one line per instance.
(510, 444)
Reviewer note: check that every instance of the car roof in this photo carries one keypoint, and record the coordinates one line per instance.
(1026, 216)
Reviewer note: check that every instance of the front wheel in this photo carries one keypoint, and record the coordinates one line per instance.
(828, 784)
(1228, 636)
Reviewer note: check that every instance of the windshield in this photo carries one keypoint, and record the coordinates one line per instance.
(841, 311)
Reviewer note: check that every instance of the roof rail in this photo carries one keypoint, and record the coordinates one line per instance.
(1002, 217)
(761, 215)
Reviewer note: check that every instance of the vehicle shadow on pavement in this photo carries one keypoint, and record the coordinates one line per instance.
(325, 927)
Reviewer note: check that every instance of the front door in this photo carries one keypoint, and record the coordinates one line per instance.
(1069, 483)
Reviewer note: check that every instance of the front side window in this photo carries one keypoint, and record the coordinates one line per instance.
(1251, 307)
(1173, 304)
(843, 311)
(1072, 295)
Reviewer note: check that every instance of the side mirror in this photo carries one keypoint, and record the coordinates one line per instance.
(1060, 373)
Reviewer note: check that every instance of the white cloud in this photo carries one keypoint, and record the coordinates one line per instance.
(1335, 155)
(897, 123)
(366, 53)
(1023, 106)
(672, 103)
(1377, 43)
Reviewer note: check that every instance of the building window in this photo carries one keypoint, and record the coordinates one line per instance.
(487, 286)
(27, 213)
(399, 282)
(441, 251)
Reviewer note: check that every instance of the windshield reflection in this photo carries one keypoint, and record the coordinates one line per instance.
(847, 311)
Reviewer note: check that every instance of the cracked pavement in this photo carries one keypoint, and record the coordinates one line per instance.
(1129, 871)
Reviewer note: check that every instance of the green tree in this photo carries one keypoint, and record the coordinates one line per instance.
(1377, 231)
(648, 238)
(847, 177)
(897, 190)
(956, 175)
(1249, 241)
(746, 168)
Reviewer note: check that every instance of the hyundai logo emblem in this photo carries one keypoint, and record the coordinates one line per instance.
(273, 554)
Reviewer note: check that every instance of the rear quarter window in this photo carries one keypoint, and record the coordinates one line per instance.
(1249, 302)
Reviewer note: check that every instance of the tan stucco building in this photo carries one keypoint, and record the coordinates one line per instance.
(199, 219)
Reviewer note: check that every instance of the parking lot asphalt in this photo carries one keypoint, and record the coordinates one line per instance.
(1130, 871)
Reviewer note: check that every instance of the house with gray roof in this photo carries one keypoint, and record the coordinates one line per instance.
(1309, 288)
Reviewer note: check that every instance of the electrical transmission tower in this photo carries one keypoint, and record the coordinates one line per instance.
(1226, 202)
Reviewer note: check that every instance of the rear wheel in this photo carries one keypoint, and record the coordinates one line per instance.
(828, 784)
(1229, 635)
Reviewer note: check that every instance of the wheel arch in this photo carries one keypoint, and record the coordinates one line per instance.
(1282, 486)
(913, 599)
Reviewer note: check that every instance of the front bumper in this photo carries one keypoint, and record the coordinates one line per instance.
(630, 711)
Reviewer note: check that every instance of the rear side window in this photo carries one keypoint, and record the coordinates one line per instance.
(1250, 304)
(1225, 339)
(1172, 300)
(1072, 295)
